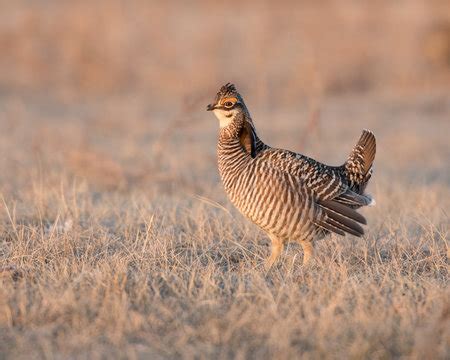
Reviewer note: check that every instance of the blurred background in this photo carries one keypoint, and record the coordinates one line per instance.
(175, 49)
(113, 92)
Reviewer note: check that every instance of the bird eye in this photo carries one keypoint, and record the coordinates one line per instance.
(228, 104)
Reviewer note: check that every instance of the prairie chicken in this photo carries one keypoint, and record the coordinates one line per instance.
(290, 196)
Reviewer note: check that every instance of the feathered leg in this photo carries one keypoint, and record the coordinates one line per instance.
(308, 251)
(277, 247)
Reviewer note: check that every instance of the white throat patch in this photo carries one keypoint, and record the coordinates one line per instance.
(223, 120)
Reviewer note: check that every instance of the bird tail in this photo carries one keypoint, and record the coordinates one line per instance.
(359, 164)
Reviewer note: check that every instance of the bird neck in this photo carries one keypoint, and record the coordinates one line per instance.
(230, 145)
(232, 130)
(240, 134)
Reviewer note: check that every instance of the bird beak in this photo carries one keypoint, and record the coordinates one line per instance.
(210, 107)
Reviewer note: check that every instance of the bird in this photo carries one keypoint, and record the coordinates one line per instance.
(290, 196)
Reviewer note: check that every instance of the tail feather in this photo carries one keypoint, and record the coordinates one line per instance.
(340, 215)
(361, 158)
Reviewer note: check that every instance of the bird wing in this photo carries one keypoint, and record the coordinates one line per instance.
(326, 187)
(326, 182)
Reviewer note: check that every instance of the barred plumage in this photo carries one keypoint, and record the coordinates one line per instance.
(290, 196)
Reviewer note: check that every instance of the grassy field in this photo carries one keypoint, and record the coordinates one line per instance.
(104, 255)
(116, 237)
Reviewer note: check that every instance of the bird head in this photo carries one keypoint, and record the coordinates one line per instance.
(227, 105)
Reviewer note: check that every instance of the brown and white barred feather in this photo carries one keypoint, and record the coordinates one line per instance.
(359, 164)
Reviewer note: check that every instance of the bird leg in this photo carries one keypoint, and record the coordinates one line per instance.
(277, 247)
(308, 251)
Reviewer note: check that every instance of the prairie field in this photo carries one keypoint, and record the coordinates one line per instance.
(117, 239)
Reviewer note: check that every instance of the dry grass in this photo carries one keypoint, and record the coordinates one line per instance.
(95, 264)
(116, 238)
